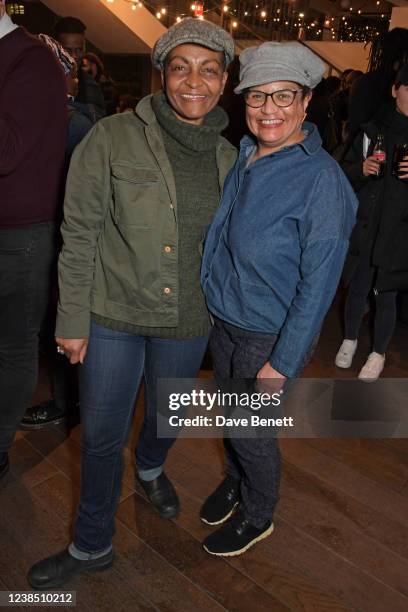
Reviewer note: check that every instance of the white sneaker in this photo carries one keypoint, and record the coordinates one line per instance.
(346, 353)
(372, 368)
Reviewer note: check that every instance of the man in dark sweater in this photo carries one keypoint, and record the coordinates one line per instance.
(33, 126)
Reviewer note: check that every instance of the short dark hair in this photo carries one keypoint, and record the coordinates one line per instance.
(305, 91)
(69, 25)
(402, 77)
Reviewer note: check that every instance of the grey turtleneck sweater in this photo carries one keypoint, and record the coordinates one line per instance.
(192, 153)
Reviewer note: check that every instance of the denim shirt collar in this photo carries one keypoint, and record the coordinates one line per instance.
(310, 145)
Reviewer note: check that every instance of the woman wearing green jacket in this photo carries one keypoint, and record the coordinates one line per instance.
(141, 190)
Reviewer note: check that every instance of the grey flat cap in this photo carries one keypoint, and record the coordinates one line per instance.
(273, 61)
(197, 31)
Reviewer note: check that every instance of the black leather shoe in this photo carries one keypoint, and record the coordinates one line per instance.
(162, 495)
(4, 464)
(55, 571)
(41, 415)
(220, 505)
(235, 536)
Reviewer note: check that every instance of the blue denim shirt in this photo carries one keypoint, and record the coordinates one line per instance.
(274, 253)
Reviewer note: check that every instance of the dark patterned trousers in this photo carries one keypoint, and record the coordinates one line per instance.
(256, 462)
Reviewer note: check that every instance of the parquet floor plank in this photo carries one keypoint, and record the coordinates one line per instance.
(377, 461)
(225, 584)
(292, 547)
(136, 562)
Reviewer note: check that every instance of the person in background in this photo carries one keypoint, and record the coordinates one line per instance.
(142, 188)
(93, 65)
(318, 107)
(79, 118)
(80, 121)
(389, 51)
(127, 103)
(70, 33)
(378, 257)
(343, 78)
(272, 260)
(64, 383)
(340, 103)
(321, 112)
(33, 132)
(342, 116)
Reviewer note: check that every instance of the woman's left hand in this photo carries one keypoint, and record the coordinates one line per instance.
(403, 167)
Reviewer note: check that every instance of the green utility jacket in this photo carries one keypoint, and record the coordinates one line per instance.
(119, 257)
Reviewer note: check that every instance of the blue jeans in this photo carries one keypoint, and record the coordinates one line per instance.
(108, 384)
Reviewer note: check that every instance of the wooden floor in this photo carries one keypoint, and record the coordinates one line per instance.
(341, 527)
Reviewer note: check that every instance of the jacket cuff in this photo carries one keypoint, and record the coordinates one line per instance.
(283, 367)
(69, 328)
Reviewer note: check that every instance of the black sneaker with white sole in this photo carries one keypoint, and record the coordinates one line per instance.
(235, 536)
(221, 504)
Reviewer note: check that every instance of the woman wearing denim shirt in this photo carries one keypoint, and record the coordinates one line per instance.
(272, 261)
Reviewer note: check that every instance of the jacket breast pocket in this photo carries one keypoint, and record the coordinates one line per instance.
(135, 195)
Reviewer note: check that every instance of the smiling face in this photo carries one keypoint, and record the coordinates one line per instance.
(193, 79)
(275, 127)
(401, 98)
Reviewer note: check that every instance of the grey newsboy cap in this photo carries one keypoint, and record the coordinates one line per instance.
(197, 31)
(273, 61)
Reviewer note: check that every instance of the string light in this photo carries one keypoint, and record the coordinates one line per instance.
(267, 17)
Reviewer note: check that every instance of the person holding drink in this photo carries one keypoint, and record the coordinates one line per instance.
(378, 256)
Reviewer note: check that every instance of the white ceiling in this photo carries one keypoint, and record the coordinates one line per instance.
(113, 27)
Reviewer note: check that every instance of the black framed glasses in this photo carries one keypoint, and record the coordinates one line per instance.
(282, 97)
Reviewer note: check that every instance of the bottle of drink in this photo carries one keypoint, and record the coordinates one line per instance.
(379, 154)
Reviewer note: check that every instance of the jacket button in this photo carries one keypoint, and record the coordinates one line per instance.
(171, 206)
(167, 290)
(167, 249)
